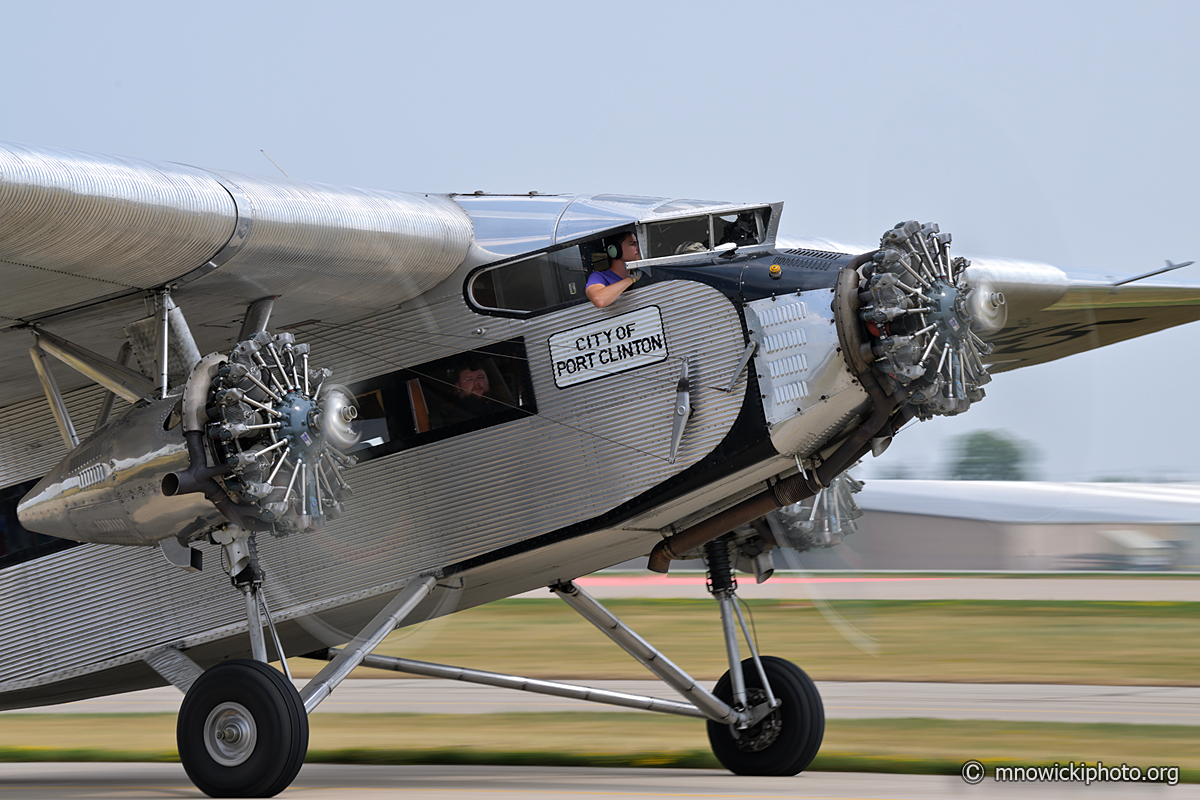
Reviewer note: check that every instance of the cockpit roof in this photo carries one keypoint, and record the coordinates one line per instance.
(509, 225)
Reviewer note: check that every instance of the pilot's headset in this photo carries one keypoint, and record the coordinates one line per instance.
(614, 247)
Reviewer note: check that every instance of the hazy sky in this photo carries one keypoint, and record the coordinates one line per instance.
(1053, 131)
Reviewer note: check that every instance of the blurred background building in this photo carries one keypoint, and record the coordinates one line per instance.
(1020, 525)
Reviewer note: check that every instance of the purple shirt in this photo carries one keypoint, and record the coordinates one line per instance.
(602, 278)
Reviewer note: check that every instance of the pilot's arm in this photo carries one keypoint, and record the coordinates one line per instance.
(602, 295)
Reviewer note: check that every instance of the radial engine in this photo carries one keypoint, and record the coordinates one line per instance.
(255, 439)
(909, 317)
(909, 313)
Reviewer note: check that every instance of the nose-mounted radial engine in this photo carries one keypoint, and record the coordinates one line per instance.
(908, 319)
(909, 311)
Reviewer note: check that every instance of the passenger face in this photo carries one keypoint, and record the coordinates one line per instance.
(473, 381)
(629, 248)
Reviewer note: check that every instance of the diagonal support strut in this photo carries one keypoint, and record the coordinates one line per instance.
(384, 623)
(713, 707)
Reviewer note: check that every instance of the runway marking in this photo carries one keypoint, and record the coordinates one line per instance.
(409, 792)
(698, 580)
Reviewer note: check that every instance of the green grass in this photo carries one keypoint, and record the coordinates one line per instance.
(922, 746)
(973, 641)
(1148, 644)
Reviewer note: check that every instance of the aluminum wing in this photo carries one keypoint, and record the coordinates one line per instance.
(84, 236)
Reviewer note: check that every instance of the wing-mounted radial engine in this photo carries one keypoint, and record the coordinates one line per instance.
(273, 430)
(254, 441)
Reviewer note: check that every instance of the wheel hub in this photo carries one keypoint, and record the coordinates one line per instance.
(763, 733)
(230, 734)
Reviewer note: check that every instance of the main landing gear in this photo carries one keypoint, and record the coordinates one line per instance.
(783, 741)
(243, 727)
(242, 731)
(765, 716)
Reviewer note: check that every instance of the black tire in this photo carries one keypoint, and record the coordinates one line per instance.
(263, 709)
(787, 740)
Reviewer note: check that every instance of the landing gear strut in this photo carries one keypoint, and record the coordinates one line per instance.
(786, 717)
(243, 729)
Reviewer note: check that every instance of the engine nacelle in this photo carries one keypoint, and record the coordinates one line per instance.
(109, 489)
(255, 439)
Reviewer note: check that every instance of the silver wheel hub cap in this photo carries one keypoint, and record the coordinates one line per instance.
(230, 734)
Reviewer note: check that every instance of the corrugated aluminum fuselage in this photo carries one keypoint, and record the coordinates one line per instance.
(584, 483)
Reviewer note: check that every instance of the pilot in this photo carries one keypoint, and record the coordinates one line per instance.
(604, 287)
(472, 397)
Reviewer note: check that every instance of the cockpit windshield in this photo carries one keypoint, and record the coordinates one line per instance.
(703, 233)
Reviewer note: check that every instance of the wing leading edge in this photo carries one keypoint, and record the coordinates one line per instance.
(1088, 316)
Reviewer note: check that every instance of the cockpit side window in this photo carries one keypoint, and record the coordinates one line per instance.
(540, 282)
(526, 285)
(744, 229)
(679, 236)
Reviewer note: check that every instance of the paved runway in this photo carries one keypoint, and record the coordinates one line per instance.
(901, 587)
(1142, 705)
(324, 781)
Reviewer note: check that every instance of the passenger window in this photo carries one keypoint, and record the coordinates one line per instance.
(371, 422)
(17, 544)
(447, 397)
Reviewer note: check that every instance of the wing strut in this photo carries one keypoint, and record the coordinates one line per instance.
(53, 395)
(106, 405)
(122, 381)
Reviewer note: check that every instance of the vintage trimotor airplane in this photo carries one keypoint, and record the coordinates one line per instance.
(484, 430)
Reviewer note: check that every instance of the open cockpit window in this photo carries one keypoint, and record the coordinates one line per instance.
(685, 233)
